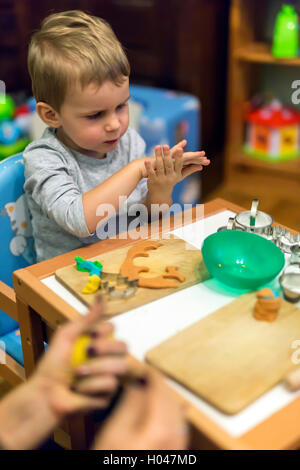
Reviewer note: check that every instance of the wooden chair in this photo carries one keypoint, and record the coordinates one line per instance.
(10, 369)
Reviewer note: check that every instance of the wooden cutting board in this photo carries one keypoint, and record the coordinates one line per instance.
(174, 252)
(228, 357)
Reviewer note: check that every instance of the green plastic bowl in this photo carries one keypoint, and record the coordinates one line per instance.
(241, 259)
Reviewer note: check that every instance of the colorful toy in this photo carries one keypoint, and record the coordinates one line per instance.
(7, 107)
(285, 37)
(94, 268)
(9, 132)
(273, 132)
(31, 103)
(23, 116)
(14, 127)
(112, 284)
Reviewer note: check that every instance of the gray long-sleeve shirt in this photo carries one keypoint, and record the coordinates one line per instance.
(56, 177)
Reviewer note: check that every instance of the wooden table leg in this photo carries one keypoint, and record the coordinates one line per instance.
(81, 431)
(31, 336)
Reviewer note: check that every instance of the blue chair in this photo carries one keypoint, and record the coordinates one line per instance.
(16, 252)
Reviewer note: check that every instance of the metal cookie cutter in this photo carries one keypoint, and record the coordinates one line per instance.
(285, 240)
(112, 284)
(117, 286)
(290, 277)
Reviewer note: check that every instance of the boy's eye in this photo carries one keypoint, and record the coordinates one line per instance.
(101, 113)
(95, 116)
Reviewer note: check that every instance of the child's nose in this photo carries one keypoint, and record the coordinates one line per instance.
(112, 124)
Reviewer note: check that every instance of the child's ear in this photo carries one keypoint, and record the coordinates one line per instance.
(48, 114)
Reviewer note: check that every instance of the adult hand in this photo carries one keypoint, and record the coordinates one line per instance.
(147, 418)
(92, 384)
(33, 410)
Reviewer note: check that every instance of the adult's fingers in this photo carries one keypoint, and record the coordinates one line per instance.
(165, 418)
(72, 402)
(74, 329)
(100, 330)
(106, 346)
(117, 365)
(96, 385)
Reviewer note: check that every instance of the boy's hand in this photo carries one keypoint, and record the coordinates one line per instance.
(164, 172)
(172, 166)
(191, 161)
(191, 158)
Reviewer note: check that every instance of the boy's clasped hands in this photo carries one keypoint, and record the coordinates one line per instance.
(170, 166)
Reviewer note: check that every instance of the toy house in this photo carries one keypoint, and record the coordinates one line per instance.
(273, 132)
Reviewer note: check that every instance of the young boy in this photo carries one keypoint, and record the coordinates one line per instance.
(88, 157)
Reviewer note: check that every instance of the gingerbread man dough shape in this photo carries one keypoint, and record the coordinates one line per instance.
(132, 271)
(267, 305)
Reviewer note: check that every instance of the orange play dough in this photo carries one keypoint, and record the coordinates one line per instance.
(132, 271)
(266, 309)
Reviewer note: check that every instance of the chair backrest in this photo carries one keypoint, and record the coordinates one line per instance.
(16, 241)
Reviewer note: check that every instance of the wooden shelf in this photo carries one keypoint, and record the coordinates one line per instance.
(246, 51)
(290, 168)
(261, 53)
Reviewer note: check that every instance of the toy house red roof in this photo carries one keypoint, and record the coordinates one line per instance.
(274, 115)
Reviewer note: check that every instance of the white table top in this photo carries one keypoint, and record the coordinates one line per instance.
(145, 327)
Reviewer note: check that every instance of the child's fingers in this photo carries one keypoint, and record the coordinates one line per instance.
(168, 163)
(160, 169)
(190, 169)
(178, 163)
(179, 145)
(194, 157)
(150, 170)
(195, 161)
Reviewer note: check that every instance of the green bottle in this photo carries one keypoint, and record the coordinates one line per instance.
(285, 38)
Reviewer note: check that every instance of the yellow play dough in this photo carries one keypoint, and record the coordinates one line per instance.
(92, 285)
(79, 355)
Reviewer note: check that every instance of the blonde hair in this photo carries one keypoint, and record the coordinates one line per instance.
(73, 46)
